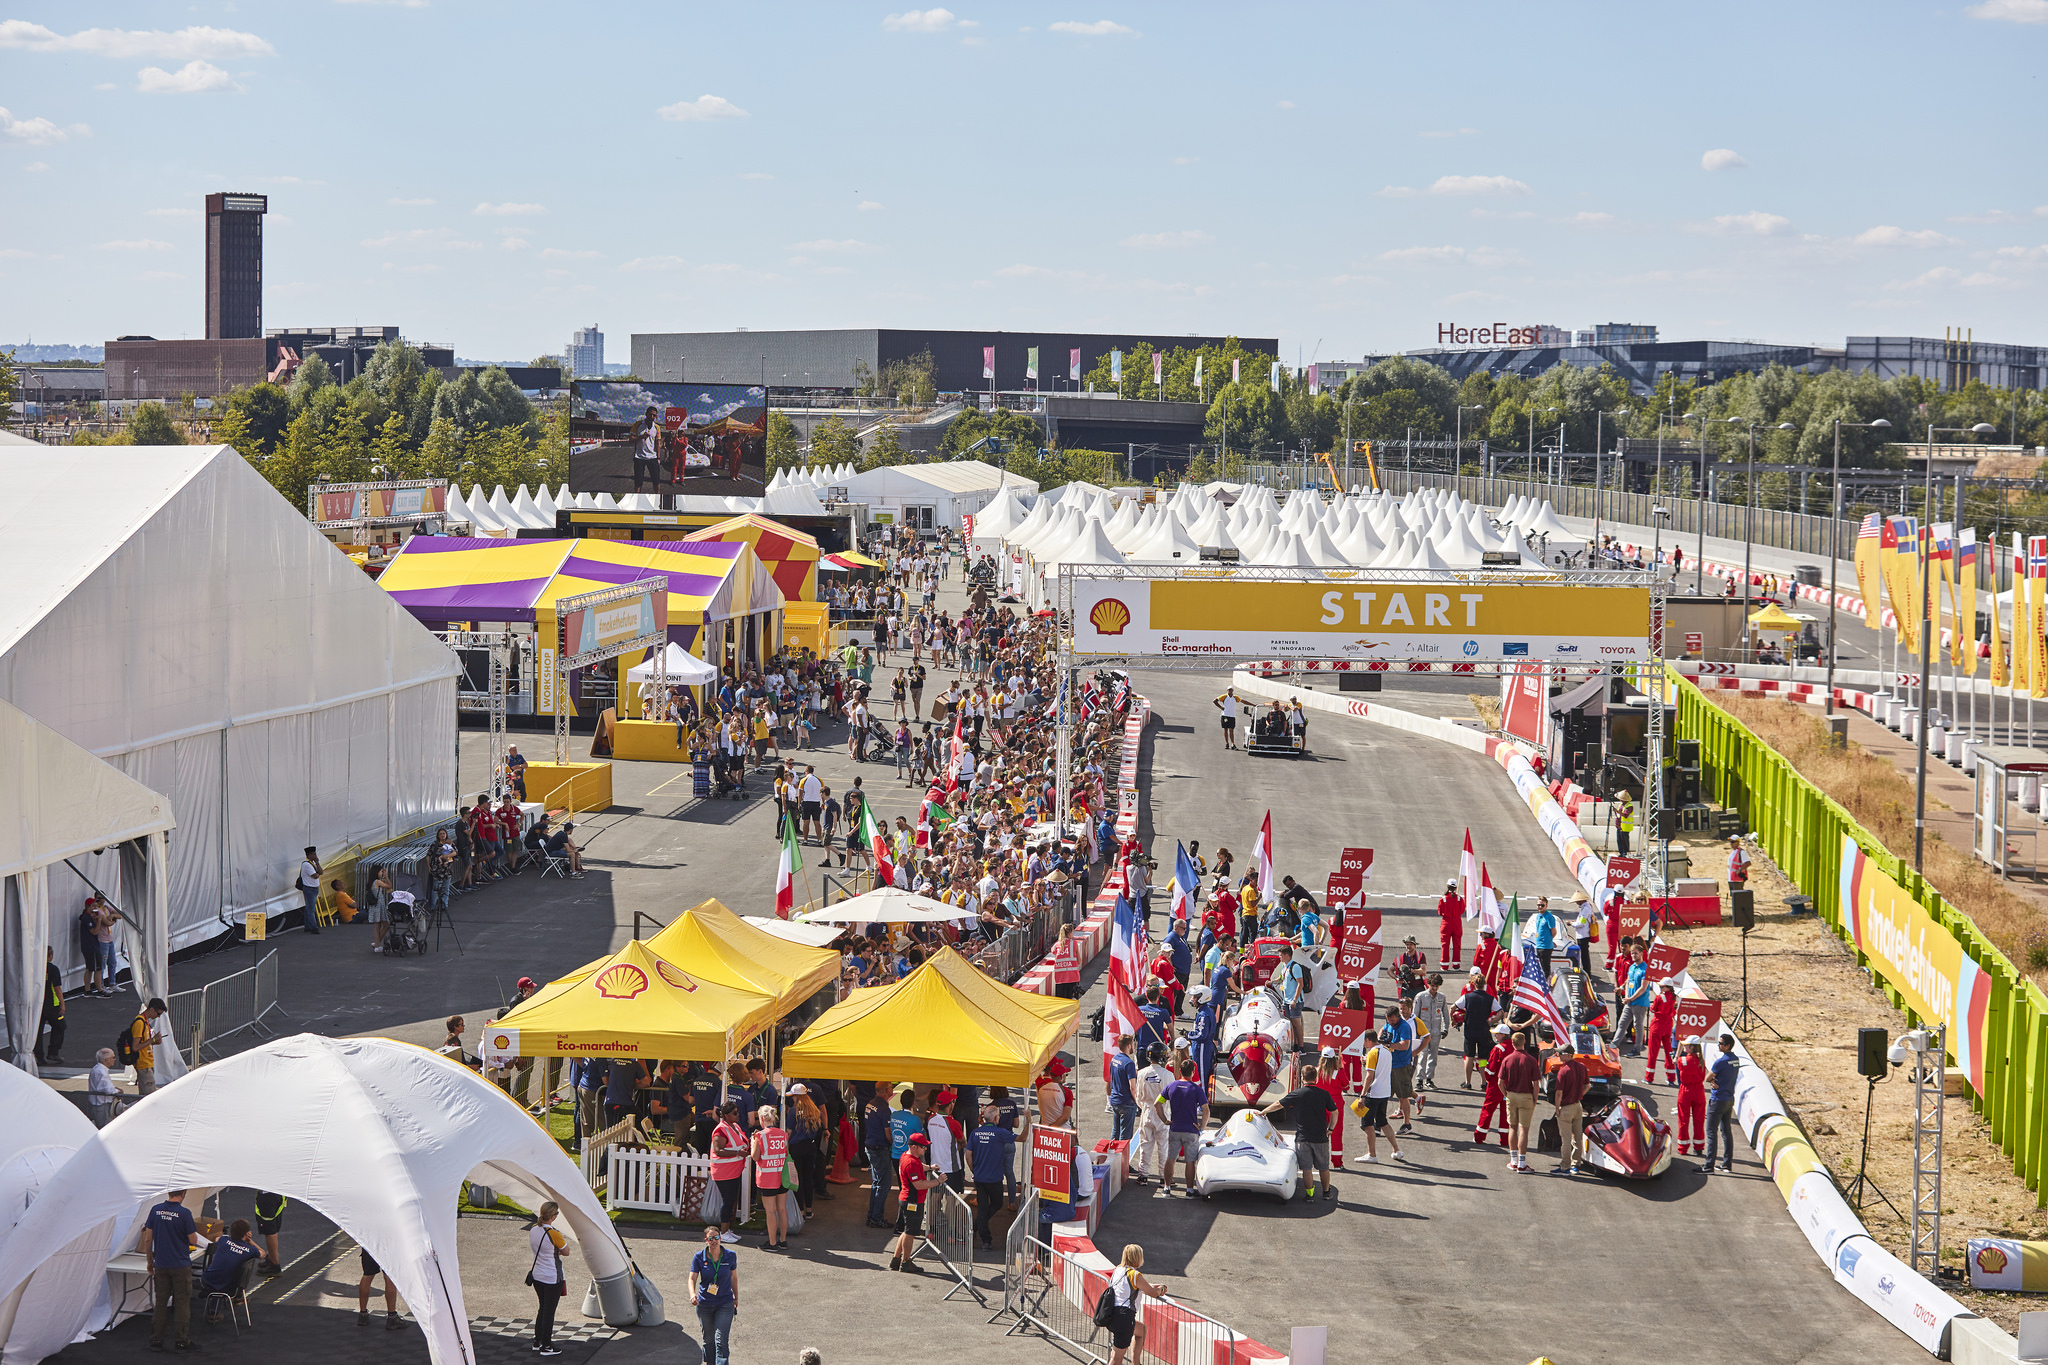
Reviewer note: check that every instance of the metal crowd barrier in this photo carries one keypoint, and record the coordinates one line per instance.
(1018, 1255)
(949, 1232)
(185, 1013)
(1053, 1294)
(237, 1002)
(1019, 949)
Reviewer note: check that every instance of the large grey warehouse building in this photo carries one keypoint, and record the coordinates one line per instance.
(833, 359)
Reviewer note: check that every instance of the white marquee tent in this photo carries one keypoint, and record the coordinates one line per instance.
(67, 1293)
(173, 616)
(379, 1136)
(948, 489)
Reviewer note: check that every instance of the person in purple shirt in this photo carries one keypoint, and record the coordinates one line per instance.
(1186, 1102)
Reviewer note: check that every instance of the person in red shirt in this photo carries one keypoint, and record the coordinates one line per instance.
(508, 832)
(1329, 1078)
(1569, 1096)
(1226, 912)
(1518, 1073)
(1450, 908)
(1491, 1102)
(914, 1180)
(1485, 953)
(1613, 927)
(1663, 1011)
(1692, 1099)
(1501, 973)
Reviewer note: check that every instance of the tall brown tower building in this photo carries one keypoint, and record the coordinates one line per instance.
(234, 265)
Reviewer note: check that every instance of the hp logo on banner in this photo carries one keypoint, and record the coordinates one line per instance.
(1471, 648)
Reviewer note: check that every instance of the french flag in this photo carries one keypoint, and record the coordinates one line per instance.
(1127, 943)
(1185, 885)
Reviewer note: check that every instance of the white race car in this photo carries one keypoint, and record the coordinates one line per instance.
(1247, 1154)
(1258, 1050)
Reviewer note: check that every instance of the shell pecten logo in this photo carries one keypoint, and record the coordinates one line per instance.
(675, 976)
(1991, 1260)
(621, 981)
(1110, 616)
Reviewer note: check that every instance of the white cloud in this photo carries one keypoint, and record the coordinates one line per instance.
(1478, 184)
(1185, 237)
(509, 210)
(140, 244)
(1755, 223)
(514, 244)
(1480, 256)
(1898, 236)
(1988, 216)
(654, 263)
(755, 175)
(431, 239)
(1722, 159)
(1101, 28)
(1286, 104)
(702, 109)
(2011, 11)
(920, 21)
(193, 78)
(867, 206)
(1449, 132)
(174, 213)
(2023, 253)
(37, 166)
(824, 245)
(16, 253)
(411, 203)
(1185, 160)
(36, 132)
(1941, 274)
(184, 45)
(1592, 219)
(563, 253)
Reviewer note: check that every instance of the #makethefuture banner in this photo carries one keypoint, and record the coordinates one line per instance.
(1921, 960)
(1216, 613)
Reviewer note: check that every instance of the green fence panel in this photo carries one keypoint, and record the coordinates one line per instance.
(1802, 829)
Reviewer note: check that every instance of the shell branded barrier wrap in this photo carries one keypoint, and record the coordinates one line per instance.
(1343, 616)
(2013, 1266)
(1918, 957)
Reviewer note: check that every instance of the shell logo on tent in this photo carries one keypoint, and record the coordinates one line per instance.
(679, 979)
(503, 1041)
(1990, 1260)
(1110, 616)
(621, 981)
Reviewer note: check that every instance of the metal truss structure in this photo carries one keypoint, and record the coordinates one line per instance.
(566, 663)
(492, 700)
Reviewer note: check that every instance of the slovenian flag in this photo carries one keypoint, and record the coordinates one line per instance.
(791, 863)
(1468, 877)
(1262, 860)
(1185, 885)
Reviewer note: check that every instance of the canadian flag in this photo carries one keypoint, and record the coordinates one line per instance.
(1468, 877)
(1119, 1016)
(1262, 859)
(786, 868)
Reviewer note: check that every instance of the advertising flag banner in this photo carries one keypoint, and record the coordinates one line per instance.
(1276, 376)
(2022, 617)
(1870, 538)
(1233, 368)
(1031, 362)
(1158, 367)
(1942, 561)
(1966, 588)
(1525, 704)
(1921, 959)
(1198, 371)
(1220, 613)
(1999, 676)
(2037, 615)
(1116, 367)
(1074, 365)
(988, 362)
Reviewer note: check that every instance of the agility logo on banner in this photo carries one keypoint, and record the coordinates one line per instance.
(1920, 959)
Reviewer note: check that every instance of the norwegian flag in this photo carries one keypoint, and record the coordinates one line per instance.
(1532, 993)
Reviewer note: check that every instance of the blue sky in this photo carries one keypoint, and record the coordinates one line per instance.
(1346, 178)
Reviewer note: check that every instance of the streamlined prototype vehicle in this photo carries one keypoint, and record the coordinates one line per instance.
(1628, 1141)
(1247, 1154)
(1257, 1050)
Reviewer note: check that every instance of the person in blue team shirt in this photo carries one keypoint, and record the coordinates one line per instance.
(1546, 934)
(878, 1136)
(168, 1236)
(989, 1148)
(1397, 1035)
(1721, 1106)
(1202, 1035)
(1219, 973)
(1010, 1114)
(1635, 1006)
(1157, 1030)
(1310, 932)
(1123, 1099)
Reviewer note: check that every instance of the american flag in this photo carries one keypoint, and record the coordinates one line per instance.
(1871, 529)
(1532, 993)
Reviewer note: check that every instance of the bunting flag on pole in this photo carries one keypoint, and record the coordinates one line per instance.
(1490, 916)
(1233, 368)
(1074, 364)
(1262, 860)
(1158, 368)
(1116, 367)
(877, 839)
(1119, 1017)
(1031, 362)
(2000, 677)
(1532, 993)
(1966, 588)
(1945, 595)
(2037, 602)
(2022, 617)
(1276, 376)
(1904, 540)
(1185, 886)
(1468, 877)
(786, 868)
(1870, 546)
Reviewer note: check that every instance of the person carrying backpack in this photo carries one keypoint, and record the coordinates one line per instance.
(135, 1046)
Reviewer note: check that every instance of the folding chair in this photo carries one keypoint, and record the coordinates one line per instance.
(557, 865)
(244, 1282)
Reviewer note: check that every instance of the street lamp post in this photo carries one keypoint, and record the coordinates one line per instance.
(1835, 547)
(1927, 626)
(1699, 496)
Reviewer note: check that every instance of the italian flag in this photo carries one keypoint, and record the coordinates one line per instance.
(877, 840)
(791, 863)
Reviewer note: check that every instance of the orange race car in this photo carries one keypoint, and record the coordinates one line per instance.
(1602, 1063)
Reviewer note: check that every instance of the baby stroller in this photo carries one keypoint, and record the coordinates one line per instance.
(407, 936)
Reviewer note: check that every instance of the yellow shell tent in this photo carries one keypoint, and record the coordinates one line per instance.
(1774, 617)
(634, 1003)
(945, 1022)
(712, 943)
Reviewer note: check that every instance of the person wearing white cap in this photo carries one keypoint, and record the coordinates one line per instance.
(1692, 1098)
(1491, 1101)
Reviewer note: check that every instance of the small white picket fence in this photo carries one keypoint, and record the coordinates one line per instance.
(594, 1148)
(643, 1178)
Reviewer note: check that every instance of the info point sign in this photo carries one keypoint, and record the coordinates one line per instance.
(1366, 616)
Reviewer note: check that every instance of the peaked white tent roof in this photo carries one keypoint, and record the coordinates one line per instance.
(42, 1131)
(377, 1135)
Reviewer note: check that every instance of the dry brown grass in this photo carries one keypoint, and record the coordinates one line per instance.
(1881, 799)
(1487, 705)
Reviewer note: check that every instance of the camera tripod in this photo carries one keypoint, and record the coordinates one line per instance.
(1863, 1183)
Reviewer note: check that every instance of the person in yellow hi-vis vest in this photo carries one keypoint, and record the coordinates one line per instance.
(1624, 823)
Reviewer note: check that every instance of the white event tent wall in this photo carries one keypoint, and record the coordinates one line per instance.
(67, 1294)
(950, 488)
(376, 1135)
(174, 616)
(59, 805)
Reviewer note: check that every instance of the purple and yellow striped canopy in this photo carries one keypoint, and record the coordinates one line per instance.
(462, 578)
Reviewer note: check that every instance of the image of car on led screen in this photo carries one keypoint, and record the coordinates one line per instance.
(633, 437)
